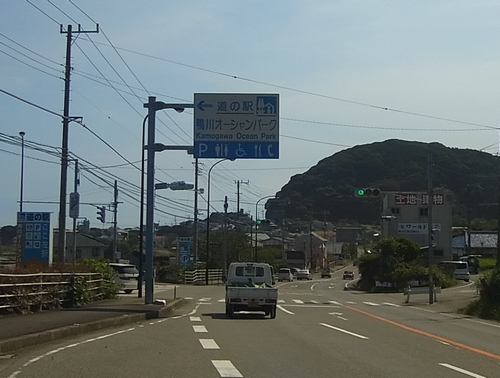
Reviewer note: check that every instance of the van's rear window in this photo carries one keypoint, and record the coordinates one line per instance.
(249, 271)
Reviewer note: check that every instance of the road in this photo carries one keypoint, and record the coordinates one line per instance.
(321, 330)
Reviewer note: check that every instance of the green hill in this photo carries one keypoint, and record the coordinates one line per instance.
(327, 189)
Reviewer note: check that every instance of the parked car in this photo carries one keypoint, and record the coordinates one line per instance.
(126, 276)
(348, 275)
(304, 274)
(294, 271)
(326, 273)
(285, 274)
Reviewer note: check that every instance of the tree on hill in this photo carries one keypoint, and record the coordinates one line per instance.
(392, 165)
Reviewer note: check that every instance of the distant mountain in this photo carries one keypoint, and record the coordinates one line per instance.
(326, 191)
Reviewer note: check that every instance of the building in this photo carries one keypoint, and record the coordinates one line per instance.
(405, 214)
(475, 243)
(86, 246)
(314, 246)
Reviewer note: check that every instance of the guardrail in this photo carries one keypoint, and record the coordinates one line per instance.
(198, 277)
(38, 291)
(421, 290)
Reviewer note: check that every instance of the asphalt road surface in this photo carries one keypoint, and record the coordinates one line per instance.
(321, 330)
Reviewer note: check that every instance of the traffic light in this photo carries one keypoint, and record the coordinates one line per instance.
(367, 192)
(101, 214)
(180, 185)
(260, 221)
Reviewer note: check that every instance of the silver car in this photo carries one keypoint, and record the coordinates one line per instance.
(126, 276)
(303, 274)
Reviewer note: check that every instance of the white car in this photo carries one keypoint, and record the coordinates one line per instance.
(303, 274)
(285, 274)
(126, 276)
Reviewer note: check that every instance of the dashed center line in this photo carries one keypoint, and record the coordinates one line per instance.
(226, 368)
(209, 344)
(199, 329)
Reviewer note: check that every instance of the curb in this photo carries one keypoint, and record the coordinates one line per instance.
(16, 343)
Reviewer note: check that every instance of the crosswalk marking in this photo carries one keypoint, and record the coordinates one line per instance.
(391, 304)
(371, 304)
(313, 302)
(195, 318)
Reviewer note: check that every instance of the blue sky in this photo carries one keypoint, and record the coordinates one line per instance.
(347, 72)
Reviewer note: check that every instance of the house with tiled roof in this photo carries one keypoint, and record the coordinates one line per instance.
(475, 243)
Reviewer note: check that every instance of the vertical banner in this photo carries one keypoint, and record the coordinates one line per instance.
(184, 248)
(34, 237)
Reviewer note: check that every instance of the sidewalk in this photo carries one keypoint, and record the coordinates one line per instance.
(21, 331)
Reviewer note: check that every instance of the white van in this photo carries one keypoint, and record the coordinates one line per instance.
(285, 274)
(126, 276)
(460, 269)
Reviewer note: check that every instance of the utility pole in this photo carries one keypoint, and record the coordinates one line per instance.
(77, 213)
(310, 245)
(195, 219)
(238, 195)
(224, 247)
(115, 220)
(430, 199)
(498, 234)
(61, 237)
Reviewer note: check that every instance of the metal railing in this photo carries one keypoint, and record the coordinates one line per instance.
(37, 291)
(198, 277)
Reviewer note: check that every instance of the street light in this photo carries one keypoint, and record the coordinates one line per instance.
(256, 218)
(22, 134)
(208, 213)
(153, 106)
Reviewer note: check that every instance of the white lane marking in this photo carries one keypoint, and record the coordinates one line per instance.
(199, 329)
(298, 301)
(422, 309)
(371, 304)
(466, 372)
(195, 318)
(349, 302)
(222, 300)
(313, 301)
(334, 302)
(285, 310)
(312, 287)
(344, 331)
(209, 344)
(226, 368)
(75, 344)
(338, 315)
(204, 299)
(311, 306)
(391, 304)
(281, 301)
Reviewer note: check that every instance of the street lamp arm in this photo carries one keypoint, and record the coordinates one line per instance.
(208, 213)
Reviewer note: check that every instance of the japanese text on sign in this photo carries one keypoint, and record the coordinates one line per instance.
(236, 125)
(416, 228)
(415, 199)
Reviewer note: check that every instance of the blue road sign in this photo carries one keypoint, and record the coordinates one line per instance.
(35, 236)
(184, 246)
(236, 126)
